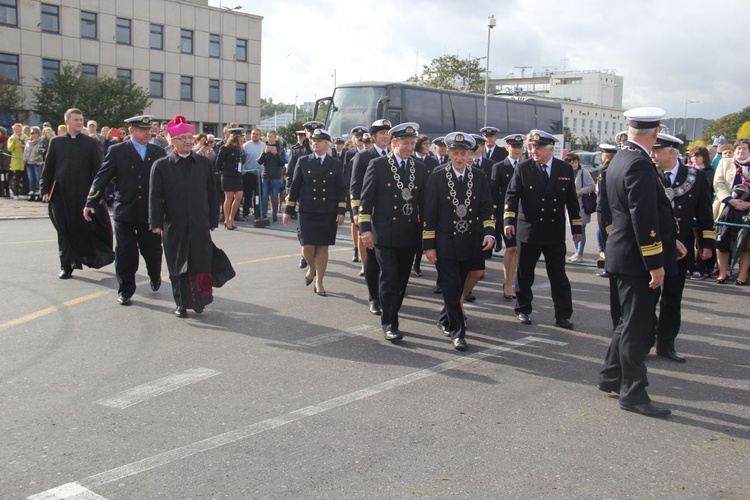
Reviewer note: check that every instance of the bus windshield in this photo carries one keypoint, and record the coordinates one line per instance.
(352, 106)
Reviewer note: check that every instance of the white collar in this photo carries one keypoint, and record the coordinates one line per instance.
(455, 172)
(673, 171)
(321, 157)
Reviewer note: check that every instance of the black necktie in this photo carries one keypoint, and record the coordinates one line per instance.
(514, 163)
(321, 159)
(384, 153)
(402, 164)
(668, 178)
(460, 179)
(544, 170)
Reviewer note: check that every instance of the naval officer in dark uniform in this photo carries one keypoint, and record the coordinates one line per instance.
(541, 189)
(380, 140)
(688, 189)
(356, 133)
(458, 227)
(129, 164)
(641, 249)
(492, 150)
(390, 210)
(318, 187)
(604, 223)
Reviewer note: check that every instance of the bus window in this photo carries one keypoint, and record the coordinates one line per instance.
(394, 116)
(465, 112)
(424, 107)
(353, 106)
(520, 116)
(497, 116)
(549, 119)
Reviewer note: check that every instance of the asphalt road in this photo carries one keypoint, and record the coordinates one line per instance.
(275, 392)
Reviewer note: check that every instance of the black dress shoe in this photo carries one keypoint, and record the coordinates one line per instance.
(375, 308)
(155, 285)
(355, 257)
(459, 344)
(392, 335)
(670, 354)
(564, 323)
(603, 274)
(608, 388)
(444, 329)
(648, 409)
(509, 297)
(308, 281)
(124, 300)
(470, 297)
(417, 271)
(437, 289)
(302, 263)
(65, 273)
(180, 312)
(524, 318)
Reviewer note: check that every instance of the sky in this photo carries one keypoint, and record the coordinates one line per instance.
(667, 51)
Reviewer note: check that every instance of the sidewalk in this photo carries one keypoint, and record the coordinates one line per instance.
(22, 209)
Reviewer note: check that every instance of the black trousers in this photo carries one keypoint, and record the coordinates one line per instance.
(132, 238)
(372, 275)
(670, 305)
(250, 191)
(453, 275)
(395, 268)
(624, 365)
(554, 260)
(614, 303)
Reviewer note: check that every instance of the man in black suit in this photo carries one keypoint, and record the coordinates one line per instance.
(129, 164)
(380, 138)
(441, 151)
(541, 189)
(458, 227)
(356, 133)
(641, 250)
(688, 189)
(502, 173)
(481, 162)
(390, 212)
(493, 151)
(423, 154)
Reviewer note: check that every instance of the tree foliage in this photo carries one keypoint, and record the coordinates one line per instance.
(289, 133)
(11, 95)
(585, 143)
(268, 109)
(104, 99)
(727, 125)
(450, 72)
(744, 131)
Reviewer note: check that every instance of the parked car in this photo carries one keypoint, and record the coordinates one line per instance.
(590, 161)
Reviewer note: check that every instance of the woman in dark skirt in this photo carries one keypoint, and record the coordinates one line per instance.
(229, 163)
(318, 187)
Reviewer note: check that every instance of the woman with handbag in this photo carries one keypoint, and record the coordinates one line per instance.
(585, 187)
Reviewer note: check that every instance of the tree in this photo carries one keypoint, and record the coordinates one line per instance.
(289, 133)
(568, 137)
(744, 131)
(587, 142)
(11, 95)
(727, 125)
(450, 72)
(105, 99)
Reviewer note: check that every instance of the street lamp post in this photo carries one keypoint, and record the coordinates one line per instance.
(601, 104)
(220, 126)
(491, 23)
(684, 124)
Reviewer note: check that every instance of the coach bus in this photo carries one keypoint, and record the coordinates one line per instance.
(437, 111)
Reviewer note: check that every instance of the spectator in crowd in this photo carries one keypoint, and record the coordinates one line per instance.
(62, 129)
(229, 163)
(16, 145)
(33, 162)
(5, 174)
(730, 173)
(273, 138)
(204, 146)
(585, 185)
(272, 163)
(251, 172)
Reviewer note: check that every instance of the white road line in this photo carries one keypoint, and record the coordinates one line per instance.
(214, 442)
(157, 388)
(70, 491)
(335, 336)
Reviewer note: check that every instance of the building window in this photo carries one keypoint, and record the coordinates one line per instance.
(214, 90)
(186, 41)
(123, 31)
(88, 71)
(156, 85)
(88, 25)
(156, 36)
(125, 74)
(186, 88)
(241, 52)
(214, 46)
(241, 94)
(8, 12)
(50, 18)
(50, 67)
(583, 123)
(9, 66)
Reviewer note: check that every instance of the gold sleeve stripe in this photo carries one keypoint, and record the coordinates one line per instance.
(608, 229)
(428, 235)
(365, 218)
(650, 250)
(709, 235)
(509, 215)
(291, 203)
(355, 203)
(342, 204)
(93, 195)
(488, 223)
(576, 222)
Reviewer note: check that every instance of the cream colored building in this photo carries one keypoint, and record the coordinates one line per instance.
(185, 52)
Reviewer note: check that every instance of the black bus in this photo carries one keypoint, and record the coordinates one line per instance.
(437, 111)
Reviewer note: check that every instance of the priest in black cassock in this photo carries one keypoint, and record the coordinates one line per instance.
(72, 162)
(182, 198)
